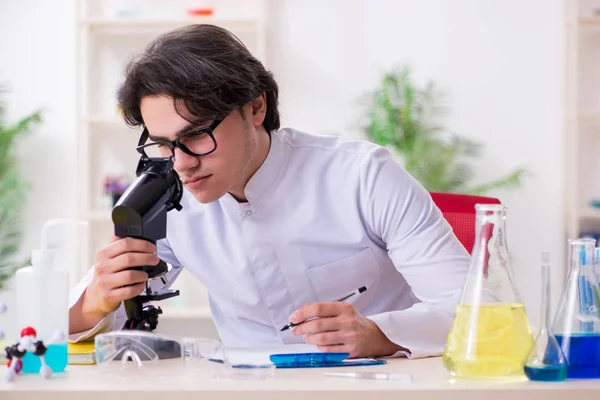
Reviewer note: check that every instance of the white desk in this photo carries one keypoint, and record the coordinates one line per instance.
(430, 381)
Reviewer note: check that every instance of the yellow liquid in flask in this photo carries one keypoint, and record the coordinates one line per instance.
(495, 348)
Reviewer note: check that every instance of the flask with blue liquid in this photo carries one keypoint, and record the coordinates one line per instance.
(545, 361)
(577, 322)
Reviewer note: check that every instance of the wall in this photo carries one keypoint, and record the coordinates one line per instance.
(501, 64)
(37, 47)
(499, 61)
(37, 66)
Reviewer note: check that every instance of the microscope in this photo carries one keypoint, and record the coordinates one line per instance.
(141, 213)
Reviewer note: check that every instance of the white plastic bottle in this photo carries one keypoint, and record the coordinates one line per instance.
(42, 302)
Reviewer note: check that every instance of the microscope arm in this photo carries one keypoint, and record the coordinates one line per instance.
(141, 213)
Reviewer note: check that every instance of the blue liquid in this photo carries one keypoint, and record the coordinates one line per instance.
(583, 355)
(548, 373)
(56, 357)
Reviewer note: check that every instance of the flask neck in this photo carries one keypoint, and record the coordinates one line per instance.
(577, 309)
(581, 272)
(581, 255)
(490, 277)
(545, 304)
(490, 234)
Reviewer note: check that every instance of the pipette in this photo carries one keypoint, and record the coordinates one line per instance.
(381, 376)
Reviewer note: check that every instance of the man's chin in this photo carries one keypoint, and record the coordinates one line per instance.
(205, 197)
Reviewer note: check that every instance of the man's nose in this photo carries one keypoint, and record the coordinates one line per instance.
(184, 161)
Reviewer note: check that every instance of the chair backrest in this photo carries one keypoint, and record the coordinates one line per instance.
(459, 211)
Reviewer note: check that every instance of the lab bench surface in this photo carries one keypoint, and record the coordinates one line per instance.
(172, 381)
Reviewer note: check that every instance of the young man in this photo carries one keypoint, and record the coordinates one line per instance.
(276, 223)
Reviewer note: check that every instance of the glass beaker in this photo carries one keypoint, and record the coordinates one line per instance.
(577, 323)
(546, 361)
(490, 336)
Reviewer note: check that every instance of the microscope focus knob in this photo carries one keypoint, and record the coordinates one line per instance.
(155, 271)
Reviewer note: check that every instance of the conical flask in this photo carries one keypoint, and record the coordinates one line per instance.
(490, 336)
(546, 361)
(577, 322)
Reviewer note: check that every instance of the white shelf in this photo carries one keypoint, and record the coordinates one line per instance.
(199, 312)
(593, 119)
(582, 116)
(100, 215)
(590, 21)
(103, 119)
(167, 22)
(105, 44)
(589, 213)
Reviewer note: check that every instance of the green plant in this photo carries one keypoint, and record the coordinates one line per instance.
(403, 117)
(12, 192)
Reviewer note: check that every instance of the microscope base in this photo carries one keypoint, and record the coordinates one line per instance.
(145, 319)
(148, 346)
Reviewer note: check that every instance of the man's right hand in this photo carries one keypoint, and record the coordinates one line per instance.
(113, 281)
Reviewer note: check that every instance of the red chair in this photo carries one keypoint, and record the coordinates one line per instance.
(459, 211)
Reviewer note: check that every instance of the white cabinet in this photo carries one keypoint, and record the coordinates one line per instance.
(582, 128)
(109, 34)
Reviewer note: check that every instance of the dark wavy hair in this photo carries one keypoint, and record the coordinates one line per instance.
(207, 71)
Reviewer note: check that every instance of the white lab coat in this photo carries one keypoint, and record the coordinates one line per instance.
(324, 216)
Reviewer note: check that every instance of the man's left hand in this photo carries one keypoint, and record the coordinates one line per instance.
(339, 327)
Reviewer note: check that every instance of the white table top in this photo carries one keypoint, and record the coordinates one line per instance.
(429, 381)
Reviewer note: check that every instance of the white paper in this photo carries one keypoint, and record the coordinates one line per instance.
(260, 355)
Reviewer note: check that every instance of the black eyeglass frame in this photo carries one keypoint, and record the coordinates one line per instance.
(176, 143)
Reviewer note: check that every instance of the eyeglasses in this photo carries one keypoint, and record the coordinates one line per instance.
(198, 142)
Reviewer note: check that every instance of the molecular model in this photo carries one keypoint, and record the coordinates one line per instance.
(28, 342)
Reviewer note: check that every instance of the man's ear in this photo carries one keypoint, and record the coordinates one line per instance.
(258, 109)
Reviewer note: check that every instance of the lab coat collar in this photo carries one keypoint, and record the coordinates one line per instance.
(268, 173)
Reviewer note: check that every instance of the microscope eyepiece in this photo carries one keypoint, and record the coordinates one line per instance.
(141, 210)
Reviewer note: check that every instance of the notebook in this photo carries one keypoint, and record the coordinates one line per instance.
(82, 353)
(261, 355)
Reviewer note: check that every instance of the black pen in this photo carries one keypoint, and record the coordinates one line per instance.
(357, 291)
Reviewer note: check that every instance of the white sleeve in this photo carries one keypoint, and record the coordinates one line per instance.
(423, 248)
(106, 324)
(116, 320)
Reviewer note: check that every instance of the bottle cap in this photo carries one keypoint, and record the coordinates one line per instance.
(49, 252)
(42, 258)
